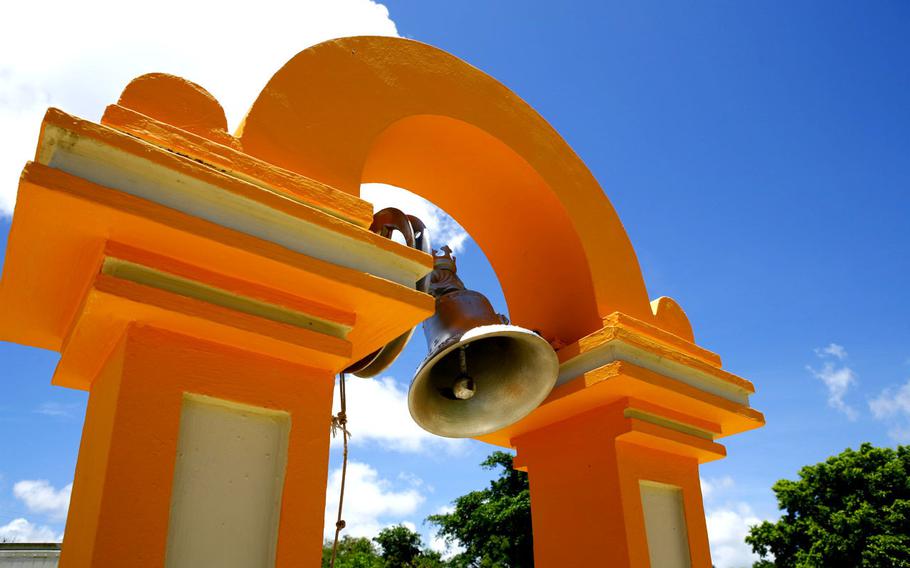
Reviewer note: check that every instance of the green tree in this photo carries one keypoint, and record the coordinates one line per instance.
(402, 547)
(850, 511)
(352, 553)
(399, 545)
(494, 524)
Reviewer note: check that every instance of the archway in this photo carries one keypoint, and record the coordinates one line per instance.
(508, 209)
(393, 110)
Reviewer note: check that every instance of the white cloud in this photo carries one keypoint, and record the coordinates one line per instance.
(41, 497)
(728, 525)
(60, 410)
(832, 350)
(446, 550)
(900, 434)
(709, 486)
(890, 403)
(837, 378)
(439, 544)
(21, 107)
(415, 481)
(894, 406)
(88, 51)
(21, 530)
(378, 412)
(727, 529)
(443, 229)
(370, 502)
(409, 525)
(838, 381)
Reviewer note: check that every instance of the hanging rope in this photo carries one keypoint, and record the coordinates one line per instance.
(340, 423)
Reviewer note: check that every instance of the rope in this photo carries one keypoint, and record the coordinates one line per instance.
(340, 423)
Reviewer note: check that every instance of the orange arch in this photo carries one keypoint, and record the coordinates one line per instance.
(378, 109)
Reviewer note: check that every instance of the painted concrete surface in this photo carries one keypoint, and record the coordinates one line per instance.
(665, 524)
(228, 480)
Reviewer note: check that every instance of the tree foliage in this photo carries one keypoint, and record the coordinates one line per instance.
(494, 524)
(398, 547)
(852, 510)
(352, 553)
(403, 547)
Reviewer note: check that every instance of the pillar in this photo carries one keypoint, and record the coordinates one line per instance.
(633, 504)
(206, 300)
(193, 452)
(613, 453)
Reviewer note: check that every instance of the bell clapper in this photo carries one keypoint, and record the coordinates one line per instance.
(464, 388)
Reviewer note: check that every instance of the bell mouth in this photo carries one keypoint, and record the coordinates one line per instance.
(511, 371)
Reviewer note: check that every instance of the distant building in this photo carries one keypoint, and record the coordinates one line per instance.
(29, 554)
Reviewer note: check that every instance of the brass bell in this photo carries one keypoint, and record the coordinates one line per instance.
(481, 374)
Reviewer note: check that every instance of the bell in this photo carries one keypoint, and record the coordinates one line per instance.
(481, 374)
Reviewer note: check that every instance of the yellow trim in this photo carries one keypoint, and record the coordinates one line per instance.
(146, 276)
(668, 423)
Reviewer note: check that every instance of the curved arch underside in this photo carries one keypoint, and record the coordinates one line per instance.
(376, 109)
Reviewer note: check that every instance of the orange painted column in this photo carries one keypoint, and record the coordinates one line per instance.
(122, 494)
(586, 486)
(613, 453)
(206, 304)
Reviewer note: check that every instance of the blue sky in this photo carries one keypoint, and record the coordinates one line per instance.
(758, 154)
